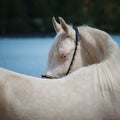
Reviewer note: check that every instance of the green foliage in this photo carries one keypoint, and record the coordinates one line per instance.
(24, 17)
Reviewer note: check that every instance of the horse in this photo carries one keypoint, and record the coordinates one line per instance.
(70, 51)
(90, 91)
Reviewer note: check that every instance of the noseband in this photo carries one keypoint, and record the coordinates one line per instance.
(77, 35)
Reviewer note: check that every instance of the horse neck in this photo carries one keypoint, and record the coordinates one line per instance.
(96, 45)
(103, 72)
(103, 76)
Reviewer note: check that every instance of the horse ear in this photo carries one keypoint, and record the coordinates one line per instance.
(64, 25)
(56, 25)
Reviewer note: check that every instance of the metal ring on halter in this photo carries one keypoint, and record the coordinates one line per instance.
(77, 36)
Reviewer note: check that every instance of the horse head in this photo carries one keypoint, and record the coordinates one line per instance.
(61, 53)
(66, 56)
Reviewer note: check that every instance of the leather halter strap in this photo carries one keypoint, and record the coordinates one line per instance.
(77, 36)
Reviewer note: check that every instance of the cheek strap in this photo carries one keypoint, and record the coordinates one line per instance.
(77, 39)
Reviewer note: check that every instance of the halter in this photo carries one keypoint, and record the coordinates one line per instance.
(77, 35)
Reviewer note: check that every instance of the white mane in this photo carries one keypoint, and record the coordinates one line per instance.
(105, 72)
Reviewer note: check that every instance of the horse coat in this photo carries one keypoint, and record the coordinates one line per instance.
(90, 93)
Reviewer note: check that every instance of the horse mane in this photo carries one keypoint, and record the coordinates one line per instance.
(104, 74)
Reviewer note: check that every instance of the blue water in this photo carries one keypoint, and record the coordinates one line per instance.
(27, 55)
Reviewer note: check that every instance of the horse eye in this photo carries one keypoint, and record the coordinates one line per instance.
(64, 55)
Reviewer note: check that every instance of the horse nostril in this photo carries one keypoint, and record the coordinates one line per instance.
(43, 76)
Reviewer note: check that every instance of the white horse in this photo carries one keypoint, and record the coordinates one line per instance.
(90, 93)
(87, 52)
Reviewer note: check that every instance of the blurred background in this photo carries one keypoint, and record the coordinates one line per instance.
(26, 17)
(26, 31)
